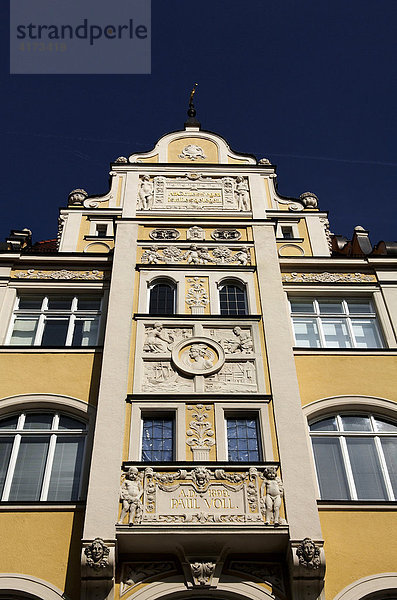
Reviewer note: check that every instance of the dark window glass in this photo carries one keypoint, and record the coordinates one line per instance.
(29, 470)
(30, 302)
(55, 331)
(158, 439)
(330, 469)
(233, 300)
(162, 299)
(243, 439)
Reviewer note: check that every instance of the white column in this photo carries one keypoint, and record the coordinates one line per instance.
(317, 237)
(300, 493)
(104, 483)
(70, 235)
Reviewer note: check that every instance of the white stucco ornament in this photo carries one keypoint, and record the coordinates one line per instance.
(192, 152)
(198, 356)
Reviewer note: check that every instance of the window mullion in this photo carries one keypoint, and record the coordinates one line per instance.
(385, 471)
(69, 336)
(48, 467)
(350, 478)
(321, 332)
(11, 467)
(351, 332)
(40, 330)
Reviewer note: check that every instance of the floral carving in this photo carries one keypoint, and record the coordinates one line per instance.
(200, 433)
(327, 277)
(195, 233)
(62, 274)
(97, 554)
(202, 572)
(61, 224)
(308, 554)
(197, 294)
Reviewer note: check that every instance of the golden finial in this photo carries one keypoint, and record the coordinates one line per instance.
(192, 94)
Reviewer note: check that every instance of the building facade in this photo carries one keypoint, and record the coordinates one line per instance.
(198, 391)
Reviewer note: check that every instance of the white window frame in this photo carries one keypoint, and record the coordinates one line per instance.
(345, 316)
(93, 227)
(239, 284)
(166, 281)
(151, 409)
(341, 434)
(294, 227)
(236, 410)
(44, 313)
(53, 433)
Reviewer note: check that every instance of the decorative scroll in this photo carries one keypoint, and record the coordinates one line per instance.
(134, 573)
(328, 278)
(61, 274)
(202, 495)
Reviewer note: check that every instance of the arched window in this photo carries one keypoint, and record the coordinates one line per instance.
(355, 457)
(233, 298)
(162, 297)
(41, 457)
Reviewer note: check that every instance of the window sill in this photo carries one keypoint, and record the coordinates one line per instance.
(357, 505)
(346, 351)
(42, 506)
(51, 349)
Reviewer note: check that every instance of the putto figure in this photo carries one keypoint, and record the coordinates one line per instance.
(130, 496)
(145, 194)
(272, 492)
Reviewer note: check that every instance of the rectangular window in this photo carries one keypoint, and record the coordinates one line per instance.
(55, 321)
(101, 229)
(158, 438)
(287, 232)
(243, 439)
(335, 323)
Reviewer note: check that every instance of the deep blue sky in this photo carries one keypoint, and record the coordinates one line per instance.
(309, 84)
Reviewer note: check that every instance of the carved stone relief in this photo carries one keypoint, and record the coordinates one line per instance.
(327, 277)
(328, 234)
(225, 234)
(195, 233)
(198, 356)
(194, 192)
(61, 224)
(202, 573)
(131, 492)
(308, 554)
(159, 376)
(222, 359)
(97, 554)
(198, 496)
(234, 341)
(200, 435)
(271, 497)
(267, 572)
(196, 255)
(236, 377)
(309, 200)
(192, 152)
(61, 274)
(197, 295)
(164, 234)
(134, 573)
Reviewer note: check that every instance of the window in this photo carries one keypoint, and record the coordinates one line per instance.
(101, 229)
(41, 457)
(287, 232)
(158, 438)
(243, 439)
(233, 299)
(356, 457)
(335, 323)
(162, 298)
(55, 321)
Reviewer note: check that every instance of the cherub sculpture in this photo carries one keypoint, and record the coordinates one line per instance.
(130, 496)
